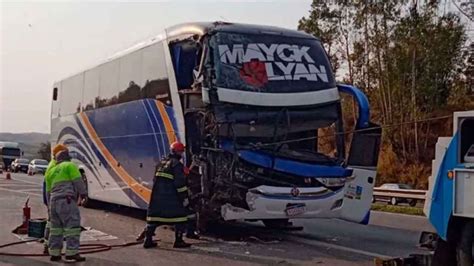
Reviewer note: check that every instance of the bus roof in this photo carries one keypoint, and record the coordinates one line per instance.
(202, 28)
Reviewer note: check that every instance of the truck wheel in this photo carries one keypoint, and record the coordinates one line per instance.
(412, 203)
(276, 223)
(393, 201)
(464, 248)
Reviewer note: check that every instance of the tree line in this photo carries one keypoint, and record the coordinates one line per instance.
(415, 62)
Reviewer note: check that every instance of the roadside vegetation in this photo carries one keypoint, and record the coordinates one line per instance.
(397, 209)
(414, 60)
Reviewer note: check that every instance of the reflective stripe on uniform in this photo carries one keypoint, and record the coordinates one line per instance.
(71, 252)
(192, 216)
(54, 252)
(167, 220)
(165, 175)
(72, 231)
(56, 231)
(182, 189)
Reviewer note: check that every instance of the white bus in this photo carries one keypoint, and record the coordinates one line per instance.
(248, 101)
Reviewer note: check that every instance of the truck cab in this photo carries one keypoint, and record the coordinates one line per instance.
(450, 199)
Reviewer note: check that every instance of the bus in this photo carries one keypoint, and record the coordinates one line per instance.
(257, 107)
(9, 151)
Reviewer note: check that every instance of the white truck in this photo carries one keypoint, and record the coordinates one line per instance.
(449, 205)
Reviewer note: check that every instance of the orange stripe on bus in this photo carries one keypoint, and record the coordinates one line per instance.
(167, 122)
(138, 188)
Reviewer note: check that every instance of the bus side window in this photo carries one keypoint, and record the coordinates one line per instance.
(71, 98)
(155, 75)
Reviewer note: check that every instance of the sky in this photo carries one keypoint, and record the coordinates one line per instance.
(43, 42)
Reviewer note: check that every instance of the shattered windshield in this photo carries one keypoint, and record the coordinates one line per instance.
(270, 63)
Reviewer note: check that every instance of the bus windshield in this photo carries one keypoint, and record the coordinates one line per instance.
(270, 63)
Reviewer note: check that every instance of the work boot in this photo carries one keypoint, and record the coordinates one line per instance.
(181, 244)
(55, 258)
(74, 258)
(141, 236)
(192, 235)
(149, 243)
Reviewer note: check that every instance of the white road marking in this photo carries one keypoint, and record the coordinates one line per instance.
(333, 246)
(28, 182)
(19, 191)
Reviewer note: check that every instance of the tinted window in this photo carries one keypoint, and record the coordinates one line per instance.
(130, 77)
(154, 74)
(41, 162)
(23, 161)
(71, 98)
(91, 89)
(405, 186)
(108, 90)
(270, 63)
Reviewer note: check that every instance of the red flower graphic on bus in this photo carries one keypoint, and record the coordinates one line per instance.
(254, 73)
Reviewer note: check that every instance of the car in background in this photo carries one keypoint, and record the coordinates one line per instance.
(20, 165)
(37, 166)
(394, 200)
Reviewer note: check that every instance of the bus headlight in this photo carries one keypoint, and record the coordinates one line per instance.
(251, 197)
(332, 181)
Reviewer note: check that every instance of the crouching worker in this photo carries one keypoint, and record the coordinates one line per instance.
(169, 198)
(64, 184)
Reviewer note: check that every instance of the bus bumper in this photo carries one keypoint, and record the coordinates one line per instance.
(266, 202)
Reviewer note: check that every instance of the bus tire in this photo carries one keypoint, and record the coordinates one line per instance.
(464, 256)
(412, 203)
(87, 202)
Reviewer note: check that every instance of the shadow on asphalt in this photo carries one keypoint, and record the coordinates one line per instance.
(118, 209)
(226, 231)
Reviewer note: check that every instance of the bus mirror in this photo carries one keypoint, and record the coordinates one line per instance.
(55, 94)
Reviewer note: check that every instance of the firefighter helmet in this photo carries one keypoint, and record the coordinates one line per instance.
(177, 147)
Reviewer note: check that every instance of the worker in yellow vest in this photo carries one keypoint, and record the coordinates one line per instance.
(64, 185)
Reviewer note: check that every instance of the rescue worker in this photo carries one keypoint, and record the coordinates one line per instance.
(63, 185)
(169, 198)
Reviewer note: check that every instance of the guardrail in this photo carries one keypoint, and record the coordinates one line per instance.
(400, 193)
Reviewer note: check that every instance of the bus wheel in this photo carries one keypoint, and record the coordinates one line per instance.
(464, 248)
(86, 203)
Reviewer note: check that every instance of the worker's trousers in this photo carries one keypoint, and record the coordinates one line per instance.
(65, 222)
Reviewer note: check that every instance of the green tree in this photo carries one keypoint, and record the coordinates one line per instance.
(412, 62)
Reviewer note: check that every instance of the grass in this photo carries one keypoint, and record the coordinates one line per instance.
(398, 209)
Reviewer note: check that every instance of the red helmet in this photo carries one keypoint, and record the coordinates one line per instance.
(177, 147)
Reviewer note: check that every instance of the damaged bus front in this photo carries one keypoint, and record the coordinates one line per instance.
(257, 108)
(270, 144)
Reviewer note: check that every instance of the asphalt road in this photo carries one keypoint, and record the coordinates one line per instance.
(322, 242)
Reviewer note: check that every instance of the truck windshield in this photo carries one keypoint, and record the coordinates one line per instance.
(10, 151)
(270, 63)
